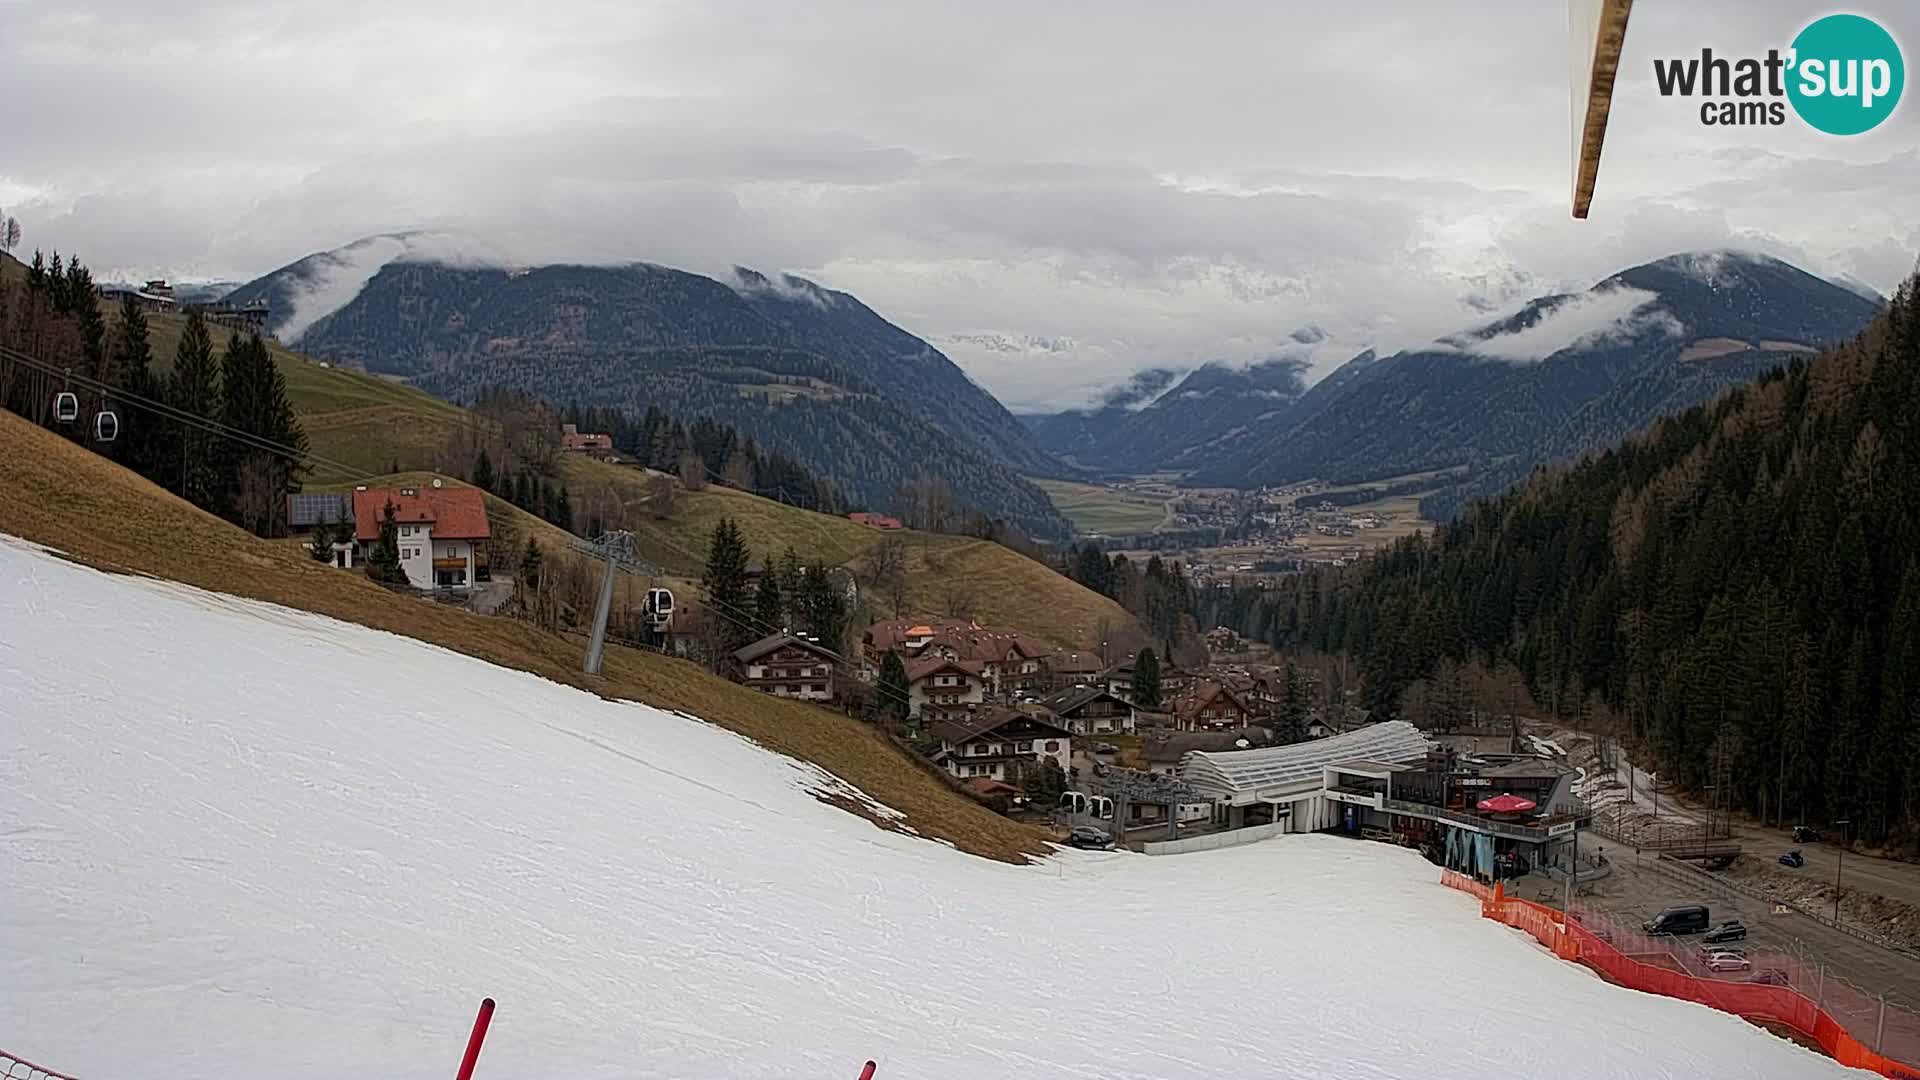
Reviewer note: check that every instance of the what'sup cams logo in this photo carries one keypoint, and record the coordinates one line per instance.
(1843, 75)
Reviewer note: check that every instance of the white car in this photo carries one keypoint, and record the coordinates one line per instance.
(1728, 962)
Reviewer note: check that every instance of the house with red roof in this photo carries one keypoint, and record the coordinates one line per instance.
(575, 441)
(440, 531)
(874, 521)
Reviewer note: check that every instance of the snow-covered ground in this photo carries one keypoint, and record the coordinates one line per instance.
(245, 841)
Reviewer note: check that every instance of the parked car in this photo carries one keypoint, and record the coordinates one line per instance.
(1793, 859)
(1805, 834)
(1712, 951)
(1106, 748)
(1681, 919)
(1771, 977)
(1728, 962)
(1086, 836)
(1731, 930)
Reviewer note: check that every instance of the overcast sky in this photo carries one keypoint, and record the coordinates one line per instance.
(1058, 194)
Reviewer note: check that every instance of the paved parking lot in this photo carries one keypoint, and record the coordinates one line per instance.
(1856, 973)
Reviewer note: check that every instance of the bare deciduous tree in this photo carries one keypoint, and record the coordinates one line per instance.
(887, 572)
(9, 234)
(693, 471)
(959, 602)
(661, 496)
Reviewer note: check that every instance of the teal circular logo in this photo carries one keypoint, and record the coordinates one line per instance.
(1846, 74)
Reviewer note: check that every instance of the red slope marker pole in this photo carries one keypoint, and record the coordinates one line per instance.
(479, 1036)
(867, 1073)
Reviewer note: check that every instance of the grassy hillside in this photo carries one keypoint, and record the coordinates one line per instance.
(1006, 589)
(358, 420)
(369, 423)
(100, 514)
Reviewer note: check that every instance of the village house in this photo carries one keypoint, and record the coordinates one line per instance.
(1070, 669)
(1209, 706)
(941, 689)
(999, 743)
(306, 512)
(789, 666)
(1091, 710)
(1119, 680)
(575, 441)
(1164, 751)
(874, 521)
(1010, 664)
(439, 530)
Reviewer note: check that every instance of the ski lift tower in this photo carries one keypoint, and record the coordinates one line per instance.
(1126, 786)
(616, 549)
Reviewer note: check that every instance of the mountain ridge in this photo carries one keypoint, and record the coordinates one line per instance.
(807, 370)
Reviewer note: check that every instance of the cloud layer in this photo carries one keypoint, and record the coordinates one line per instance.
(1112, 186)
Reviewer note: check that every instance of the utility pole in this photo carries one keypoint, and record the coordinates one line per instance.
(1839, 865)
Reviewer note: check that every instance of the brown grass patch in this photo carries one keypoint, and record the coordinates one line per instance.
(99, 514)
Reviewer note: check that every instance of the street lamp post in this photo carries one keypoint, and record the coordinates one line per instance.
(1840, 864)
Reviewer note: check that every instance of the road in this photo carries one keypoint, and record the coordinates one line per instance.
(1866, 873)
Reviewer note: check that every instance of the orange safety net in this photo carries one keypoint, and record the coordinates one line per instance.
(1753, 1001)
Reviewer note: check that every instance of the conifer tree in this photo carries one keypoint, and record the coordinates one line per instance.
(893, 690)
(483, 471)
(194, 388)
(769, 603)
(823, 607)
(725, 584)
(1146, 679)
(383, 560)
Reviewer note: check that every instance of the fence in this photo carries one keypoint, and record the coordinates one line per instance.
(1843, 1020)
(1209, 841)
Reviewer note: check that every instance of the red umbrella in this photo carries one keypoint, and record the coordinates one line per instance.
(1506, 804)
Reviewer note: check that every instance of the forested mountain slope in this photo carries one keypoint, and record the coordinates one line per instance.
(1565, 374)
(1742, 581)
(808, 372)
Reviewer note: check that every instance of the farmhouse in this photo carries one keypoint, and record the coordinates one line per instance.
(439, 531)
(789, 666)
(999, 743)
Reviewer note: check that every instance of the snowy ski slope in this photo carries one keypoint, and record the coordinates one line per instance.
(242, 841)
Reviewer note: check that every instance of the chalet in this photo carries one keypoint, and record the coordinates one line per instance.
(1009, 663)
(1118, 680)
(1091, 710)
(785, 665)
(874, 521)
(1069, 669)
(440, 530)
(1165, 751)
(941, 689)
(999, 743)
(306, 512)
(575, 441)
(1209, 706)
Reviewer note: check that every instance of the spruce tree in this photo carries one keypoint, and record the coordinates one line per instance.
(1146, 679)
(320, 547)
(194, 388)
(725, 584)
(769, 603)
(483, 471)
(893, 690)
(143, 432)
(823, 607)
(383, 560)
(1293, 707)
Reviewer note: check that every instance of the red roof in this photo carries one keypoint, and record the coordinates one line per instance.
(570, 440)
(878, 521)
(455, 513)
